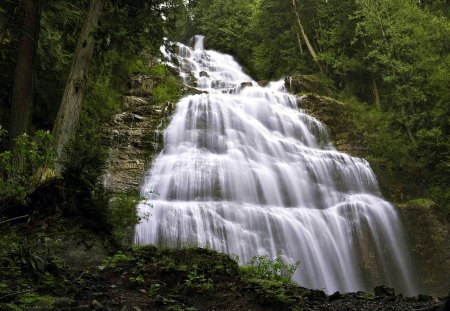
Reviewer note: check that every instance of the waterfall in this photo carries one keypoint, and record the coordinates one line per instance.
(245, 172)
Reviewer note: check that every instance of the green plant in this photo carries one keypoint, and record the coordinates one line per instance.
(122, 215)
(264, 268)
(138, 279)
(30, 301)
(422, 203)
(33, 152)
(120, 262)
(154, 290)
(270, 278)
(197, 279)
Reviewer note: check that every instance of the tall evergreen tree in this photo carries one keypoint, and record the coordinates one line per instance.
(22, 99)
(70, 108)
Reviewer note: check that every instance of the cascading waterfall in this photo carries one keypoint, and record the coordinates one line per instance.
(245, 172)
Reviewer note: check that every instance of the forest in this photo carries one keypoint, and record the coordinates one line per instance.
(66, 66)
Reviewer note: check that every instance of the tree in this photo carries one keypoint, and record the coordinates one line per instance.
(274, 40)
(310, 47)
(70, 108)
(22, 99)
(226, 25)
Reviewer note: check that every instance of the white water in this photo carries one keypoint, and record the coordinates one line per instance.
(245, 172)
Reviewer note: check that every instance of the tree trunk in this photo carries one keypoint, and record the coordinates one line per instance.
(22, 99)
(376, 93)
(299, 42)
(310, 47)
(70, 108)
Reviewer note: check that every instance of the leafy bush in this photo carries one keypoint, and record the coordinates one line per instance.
(264, 268)
(169, 89)
(197, 279)
(270, 278)
(30, 153)
(122, 215)
(120, 262)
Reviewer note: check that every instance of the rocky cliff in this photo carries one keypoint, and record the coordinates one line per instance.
(134, 135)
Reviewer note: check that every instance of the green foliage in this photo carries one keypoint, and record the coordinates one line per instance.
(122, 216)
(168, 90)
(119, 262)
(30, 301)
(27, 266)
(85, 196)
(226, 25)
(197, 280)
(264, 268)
(154, 290)
(422, 203)
(60, 22)
(271, 279)
(440, 193)
(35, 152)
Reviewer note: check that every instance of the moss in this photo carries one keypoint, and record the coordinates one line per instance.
(422, 203)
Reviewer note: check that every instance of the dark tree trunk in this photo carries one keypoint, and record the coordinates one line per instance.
(70, 108)
(22, 99)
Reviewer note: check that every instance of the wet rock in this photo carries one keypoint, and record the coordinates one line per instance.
(127, 117)
(316, 294)
(335, 296)
(192, 91)
(192, 79)
(424, 298)
(136, 104)
(429, 234)
(384, 291)
(263, 83)
(203, 74)
(141, 85)
(175, 71)
(245, 84)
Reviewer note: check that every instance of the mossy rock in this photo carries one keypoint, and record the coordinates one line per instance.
(317, 84)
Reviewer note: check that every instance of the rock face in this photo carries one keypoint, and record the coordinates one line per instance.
(337, 117)
(134, 136)
(430, 235)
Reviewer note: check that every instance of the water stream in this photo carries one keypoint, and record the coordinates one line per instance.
(245, 172)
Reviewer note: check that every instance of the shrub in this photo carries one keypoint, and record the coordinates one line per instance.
(264, 268)
(34, 152)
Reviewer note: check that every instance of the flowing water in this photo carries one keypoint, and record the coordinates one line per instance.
(245, 172)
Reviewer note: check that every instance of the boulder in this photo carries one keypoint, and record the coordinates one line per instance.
(263, 83)
(384, 291)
